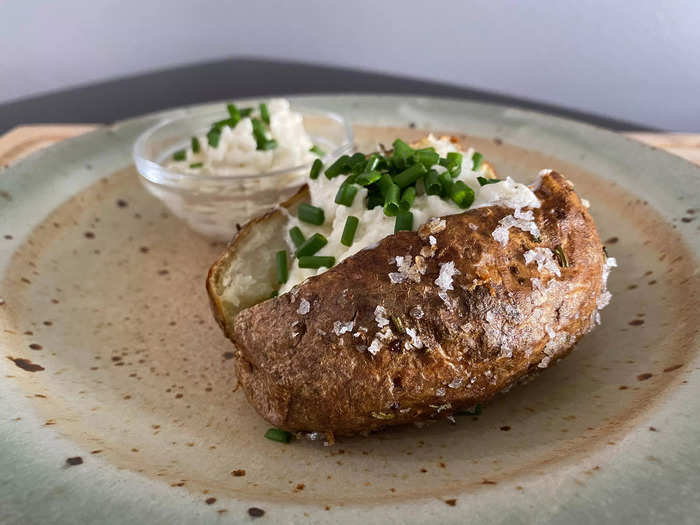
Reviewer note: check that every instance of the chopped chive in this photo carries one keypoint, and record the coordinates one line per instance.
(196, 165)
(432, 183)
(477, 159)
(391, 201)
(213, 138)
(374, 197)
(398, 324)
(446, 182)
(297, 236)
(357, 163)
(453, 163)
(219, 124)
(264, 114)
(454, 158)
(428, 157)
(282, 271)
(367, 178)
(404, 221)
(318, 151)
(311, 245)
(263, 143)
(311, 214)
(461, 194)
(275, 434)
(409, 175)
(402, 154)
(316, 261)
(180, 154)
(195, 145)
(274, 293)
(316, 168)
(384, 183)
(233, 112)
(349, 230)
(346, 194)
(483, 181)
(407, 198)
(339, 167)
(372, 162)
(561, 256)
(269, 144)
(246, 112)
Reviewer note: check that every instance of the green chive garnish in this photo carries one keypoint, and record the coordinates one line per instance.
(233, 112)
(282, 272)
(391, 201)
(316, 168)
(213, 138)
(339, 167)
(370, 177)
(477, 159)
(316, 261)
(402, 154)
(384, 183)
(275, 434)
(311, 245)
(297, 236)
(318, 151)
(265, 114)
(446, 182)
(180, 154)
(346, 194)
(196, 165)
(561, 257)
(349, 230)
(428, 157)
(404, 221)
(246, 112)
(270, 144)
(311, 214)
(195, 145)
(409, 175)
(483, 181)
(372, 162)
(461, 194)
(407, 198)
(263, 143)
(432, 183)
(374, 197)
(274, 293)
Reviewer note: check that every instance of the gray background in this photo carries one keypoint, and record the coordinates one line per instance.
(632, 60)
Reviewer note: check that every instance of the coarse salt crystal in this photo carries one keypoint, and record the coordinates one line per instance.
(544, 259)
(455, 383)
(444, 279)
(380, 315)
(339, 328)
(304, 307)
(524, 221)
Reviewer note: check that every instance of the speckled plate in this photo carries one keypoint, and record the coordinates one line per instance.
(110, 357)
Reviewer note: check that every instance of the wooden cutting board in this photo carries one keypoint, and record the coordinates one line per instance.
(25, 140)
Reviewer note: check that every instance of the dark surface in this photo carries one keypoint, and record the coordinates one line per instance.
(236, 78)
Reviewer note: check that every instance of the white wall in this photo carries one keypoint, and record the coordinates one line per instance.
(637, 60)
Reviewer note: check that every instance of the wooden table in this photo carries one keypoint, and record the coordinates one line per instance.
(24, 140)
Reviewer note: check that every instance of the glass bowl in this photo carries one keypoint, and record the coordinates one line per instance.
(213, 205)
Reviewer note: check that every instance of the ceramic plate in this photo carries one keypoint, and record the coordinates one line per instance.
(109, 354)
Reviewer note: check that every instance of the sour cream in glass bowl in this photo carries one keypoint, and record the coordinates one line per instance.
(218, 168)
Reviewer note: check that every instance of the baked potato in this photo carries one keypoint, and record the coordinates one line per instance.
(424, 324)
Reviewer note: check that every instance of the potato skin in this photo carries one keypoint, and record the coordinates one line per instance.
(301, 376)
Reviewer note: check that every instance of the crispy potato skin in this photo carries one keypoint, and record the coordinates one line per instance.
(301, 376)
